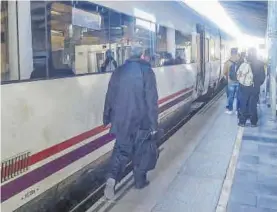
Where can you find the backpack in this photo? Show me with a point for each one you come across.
(245, 74)
(233, 71)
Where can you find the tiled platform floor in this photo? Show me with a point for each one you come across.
(255, 183)
(193, 165)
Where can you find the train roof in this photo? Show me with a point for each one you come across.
(250, 16)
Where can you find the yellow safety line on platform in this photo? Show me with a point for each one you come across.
(228, 181)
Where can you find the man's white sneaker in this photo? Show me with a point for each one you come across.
(229, 112)
(109, 189)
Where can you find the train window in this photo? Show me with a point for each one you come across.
(121, 35)
(161, 46)
(4, 44)
(143, 35)
(126, 31)
(217, 48)
(222, 52)
(207, 55)
(40, 42)
(8, 71)
(117, 43)
(183, 47)
(79, 37)
(212, 50)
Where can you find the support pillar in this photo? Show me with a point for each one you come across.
(272, 37)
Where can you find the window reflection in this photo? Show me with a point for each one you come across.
(80, 39)
(39, 39)
(4, 42)
(161, 49)
(88, 38)
(212, 50)
(207, 50)
(183, 47)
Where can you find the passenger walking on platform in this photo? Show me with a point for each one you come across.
(131, 107)
(229, 71)
(251, 76)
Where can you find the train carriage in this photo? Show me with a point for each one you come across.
(53, 88)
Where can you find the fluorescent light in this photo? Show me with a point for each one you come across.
(216, 13)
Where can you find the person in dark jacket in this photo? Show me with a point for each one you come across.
(249, 95)
(131, 107)
(109, 64)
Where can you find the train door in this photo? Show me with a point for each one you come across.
(201, 77)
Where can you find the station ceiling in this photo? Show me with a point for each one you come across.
(249, 16)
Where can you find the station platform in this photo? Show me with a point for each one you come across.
(209, 165)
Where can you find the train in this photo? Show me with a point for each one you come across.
(53, 89)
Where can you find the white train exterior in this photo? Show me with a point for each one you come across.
(52, 127)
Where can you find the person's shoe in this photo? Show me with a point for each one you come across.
(241, 125)
(254, 125)
(109, 189)
(229, 112)
(142, 185)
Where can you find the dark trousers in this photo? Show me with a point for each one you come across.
(248, 99)
(125, 150)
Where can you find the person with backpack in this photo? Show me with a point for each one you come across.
(230, 73)
(251, 76)
(131, 107)
(240, 61)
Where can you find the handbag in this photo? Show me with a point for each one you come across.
(147, 152)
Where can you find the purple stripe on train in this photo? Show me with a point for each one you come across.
(16, 186)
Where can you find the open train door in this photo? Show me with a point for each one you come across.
(201, 54)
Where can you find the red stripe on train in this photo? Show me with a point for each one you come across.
(65, 144)
(39, 156)
(161, 101)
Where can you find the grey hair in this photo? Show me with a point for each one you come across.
(136, 51)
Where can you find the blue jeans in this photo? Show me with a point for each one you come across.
(226, 90)
(232, 93)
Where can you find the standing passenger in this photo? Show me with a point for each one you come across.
(132, 108)
(250, 89)
(241, 58)
(240, 61)
(109, 64)
(229, 70)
